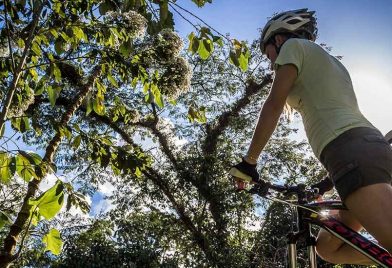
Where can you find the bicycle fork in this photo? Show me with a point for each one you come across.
(310, 242)
(292, 252)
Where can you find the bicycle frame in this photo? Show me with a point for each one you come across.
(306, 216)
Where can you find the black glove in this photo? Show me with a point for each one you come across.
(323, 186)
(245, 171)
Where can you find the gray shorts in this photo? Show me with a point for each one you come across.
(358, 157)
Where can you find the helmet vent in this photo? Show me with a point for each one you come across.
(294, 21)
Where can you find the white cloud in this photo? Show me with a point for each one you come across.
(374, 95)
(48, 182)
(106, 189)
(253, 225)
(167, 126)
(102, 206)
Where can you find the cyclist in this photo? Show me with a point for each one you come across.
(355, 154)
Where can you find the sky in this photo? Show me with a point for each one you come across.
(358, 30)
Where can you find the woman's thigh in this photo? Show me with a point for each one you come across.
(372, 206)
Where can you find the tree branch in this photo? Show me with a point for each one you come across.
(13, 65)
(18, 72)
(213, 132)
(198, 237)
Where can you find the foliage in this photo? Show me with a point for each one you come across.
(66, 61)
(96, 247)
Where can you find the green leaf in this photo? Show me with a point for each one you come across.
(59, 45)
(203, 52)
(50, 202)
(233, 58)
(53, 242)
(33, 158)
(112, 80)
(195, 45)
(198, 115)
(149, 97)
(76, 142)
(4, 219)
(5, 173)
(39, 89)
(22, 124)
(25, 122)
(157, 95)
(56, 6)
(66, 131)
(243, 61)
(239, 55)
(24, 168)
(126, 48)
(205, 32)
(21, 43)
(134, 82)
(33, 74)
(201, 3)
(64, 36)
(78, 32)
(35, 217)
(36, 49)
(98, 105)
(218, 40)
(208, 45)
(54, 33)
(101, 88)
(191, 36)
(53, 93)
(89, 105)
(56, 72)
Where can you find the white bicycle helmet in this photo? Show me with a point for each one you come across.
(299, 22)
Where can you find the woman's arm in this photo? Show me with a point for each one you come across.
(272, 109)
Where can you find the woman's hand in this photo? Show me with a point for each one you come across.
(244, 173)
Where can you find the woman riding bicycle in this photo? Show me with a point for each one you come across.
(355, 154)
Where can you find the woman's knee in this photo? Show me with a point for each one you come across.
(326, 246)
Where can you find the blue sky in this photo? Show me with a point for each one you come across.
(358, 30)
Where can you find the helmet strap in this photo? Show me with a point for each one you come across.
(277, 49)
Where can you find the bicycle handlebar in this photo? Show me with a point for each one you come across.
(302, 191)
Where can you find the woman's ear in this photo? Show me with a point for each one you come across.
(279, 40)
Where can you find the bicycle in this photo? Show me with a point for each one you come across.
(308, 214)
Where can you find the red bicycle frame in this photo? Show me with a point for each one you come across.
(307, 215)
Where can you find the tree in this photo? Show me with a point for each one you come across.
(66, 66)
